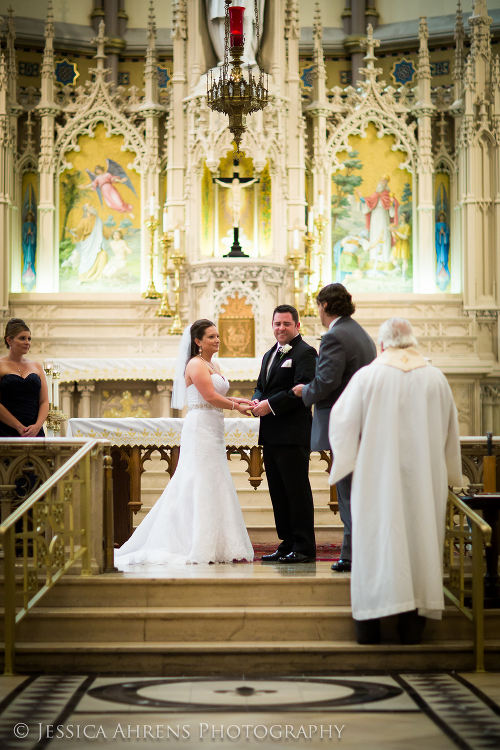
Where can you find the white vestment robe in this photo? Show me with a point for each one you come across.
(396, 427)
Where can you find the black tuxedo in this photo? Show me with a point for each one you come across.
(285, 435)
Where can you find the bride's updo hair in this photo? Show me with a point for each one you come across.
(14, 327)
(197, 332)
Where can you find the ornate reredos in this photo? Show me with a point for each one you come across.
(94, 106)
(373, 102)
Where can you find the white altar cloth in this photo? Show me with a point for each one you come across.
(131, 431)
(83, 368)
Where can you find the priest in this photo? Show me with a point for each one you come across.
(396, 427)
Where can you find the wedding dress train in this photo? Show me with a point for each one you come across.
(198, 518)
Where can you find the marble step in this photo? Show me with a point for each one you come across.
(247, 496)
(205, 586)
(227, 624)
(160, 478)
(250, 658)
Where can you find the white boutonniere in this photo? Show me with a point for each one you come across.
(282, 350)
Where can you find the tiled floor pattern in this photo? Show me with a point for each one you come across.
(369, 712)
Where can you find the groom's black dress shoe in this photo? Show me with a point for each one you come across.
(296, 557)
(274, 557)
(342, 566)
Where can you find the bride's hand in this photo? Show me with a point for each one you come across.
(243, 408)
(242, 401)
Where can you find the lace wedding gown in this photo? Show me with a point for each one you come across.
(198, 518)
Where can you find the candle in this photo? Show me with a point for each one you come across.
(310, 221)
(177, 238)
(47, 366)
(152, 204)
(55, 388)
(295, 239)
(321, 200)
(165, 221)
(236, 25)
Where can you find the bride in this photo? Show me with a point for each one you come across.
(198, 518)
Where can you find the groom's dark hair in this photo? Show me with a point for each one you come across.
(287, 309)
(338, 300)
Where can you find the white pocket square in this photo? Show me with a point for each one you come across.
(287, 363)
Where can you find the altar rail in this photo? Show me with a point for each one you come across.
(66, 518)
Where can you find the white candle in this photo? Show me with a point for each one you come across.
(165, 221)
(310, 220)
(177, 238)
(152, 204)
(321, 201)
(295, 239)
(55, 389)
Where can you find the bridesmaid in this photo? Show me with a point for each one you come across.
(24, 402)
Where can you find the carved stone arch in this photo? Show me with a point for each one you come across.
(444, 163)
(86, 124)
(27, 163)
(386, 124)
(484, 136)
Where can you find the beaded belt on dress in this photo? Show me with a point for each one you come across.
(205, 406)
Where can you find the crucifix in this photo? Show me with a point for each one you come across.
(235, 184)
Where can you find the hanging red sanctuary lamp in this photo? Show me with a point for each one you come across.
(232, 94)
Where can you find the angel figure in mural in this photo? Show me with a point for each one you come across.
(380, 208)
(103, 182)
(89, 237)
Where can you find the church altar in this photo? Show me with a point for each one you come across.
(146, 368)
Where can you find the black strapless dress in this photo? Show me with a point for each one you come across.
(20, 396)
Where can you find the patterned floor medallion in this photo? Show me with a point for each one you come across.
(246, 695)
(464, 716)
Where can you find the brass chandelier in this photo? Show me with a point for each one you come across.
(232, 94)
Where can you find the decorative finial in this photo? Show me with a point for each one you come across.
(292, 26)
(318, 23)
(100, 40)
(151, 20)
(369, 44)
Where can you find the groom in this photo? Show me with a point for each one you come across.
(285, 434)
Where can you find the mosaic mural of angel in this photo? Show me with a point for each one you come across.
(103, 182)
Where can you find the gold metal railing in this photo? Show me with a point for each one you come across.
(49, 533)
(466, 528)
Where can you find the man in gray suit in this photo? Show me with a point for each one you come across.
(344, 349)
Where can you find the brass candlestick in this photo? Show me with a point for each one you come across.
(295, 260)
(320, 224)
(151, 292)
(309, 310)
(178, 259)
(165, 310)
(55, 418)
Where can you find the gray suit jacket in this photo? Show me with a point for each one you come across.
(343, 350)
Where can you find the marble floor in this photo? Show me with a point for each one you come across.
(383, 711)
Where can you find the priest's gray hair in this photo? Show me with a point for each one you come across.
(396, 333)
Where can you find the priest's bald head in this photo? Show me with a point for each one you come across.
(396, 333)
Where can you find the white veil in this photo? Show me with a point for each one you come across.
(179, 389)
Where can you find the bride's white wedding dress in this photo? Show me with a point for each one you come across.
(198, 518)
